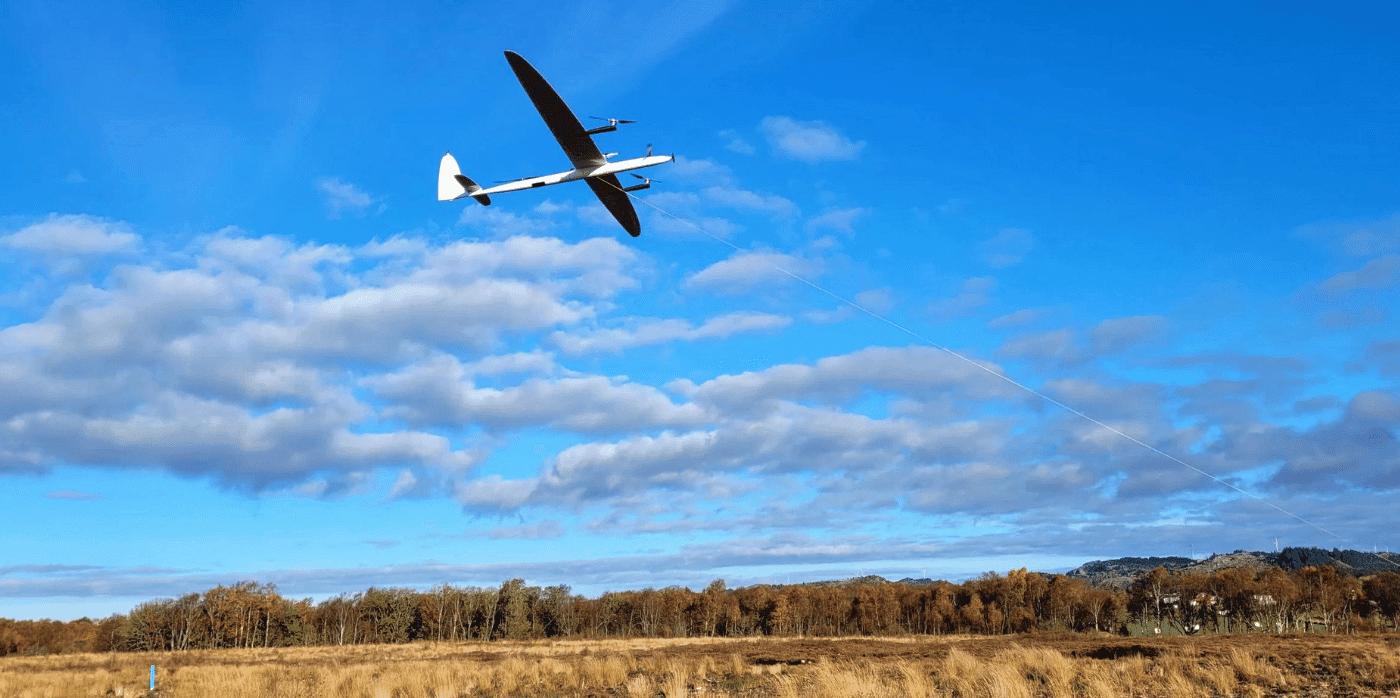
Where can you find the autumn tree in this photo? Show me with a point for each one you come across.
(1280, 597)
(1064, 597)
(1238, 593)
(1384, 589)
(1148, 594)
(339, 619)
(972, 616)
(1330, 594)
(1097, 608)
(232, 615)
(711, 604)
(943, 608)
(804, 611)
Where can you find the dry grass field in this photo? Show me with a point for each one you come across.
(1013, 666)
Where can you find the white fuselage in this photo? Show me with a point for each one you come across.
(577, 174)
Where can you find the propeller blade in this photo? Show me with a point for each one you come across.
(648, 150)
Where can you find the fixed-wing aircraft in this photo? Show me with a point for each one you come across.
(590, 164)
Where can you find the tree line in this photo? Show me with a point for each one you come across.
(248, 614)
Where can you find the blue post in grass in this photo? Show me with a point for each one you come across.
(153, 677)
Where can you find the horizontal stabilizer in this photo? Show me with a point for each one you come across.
(471, 188)
(452, 185)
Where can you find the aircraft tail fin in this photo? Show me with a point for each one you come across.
(453, 185)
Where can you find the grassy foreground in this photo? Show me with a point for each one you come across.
(1030, 665)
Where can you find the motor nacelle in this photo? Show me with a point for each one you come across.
(612, 125)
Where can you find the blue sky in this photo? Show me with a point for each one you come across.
(240, 340)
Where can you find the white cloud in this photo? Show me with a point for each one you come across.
(74, 495)
(745, 200)
(1373, 238)
(344, 197)
(684, 216)
(439, 392)
(692, 225)
(1024, 316)
(735, 142)
(911, 369)
(549, 207)
(953, 206)
(745, 271)
(1361, 239)
(1116, 334)
(1060, 346)
(876, 300)
(503, 223)
(789, 439)
(1378, 273)
(700, 170)
(1008, 247)
(650, 332)
(841, 219)
(1338, 319)
(972, 294)
(551, 528)
(808, 141)
(405, 485)
(1383, 355)
(205, 362)
(493, 493)
(596, 215)
(74, 235)
(270, 365)
(1108, 401)
(537, 362)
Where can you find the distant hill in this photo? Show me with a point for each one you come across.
(1121, 572)
(869, 579)
(1351, 562)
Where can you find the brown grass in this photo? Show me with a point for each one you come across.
(1028, 666)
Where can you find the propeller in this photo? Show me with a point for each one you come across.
(613, 122)
(646, 179)
(648, 150)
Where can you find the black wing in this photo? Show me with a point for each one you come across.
(576, 142)
(609, 191)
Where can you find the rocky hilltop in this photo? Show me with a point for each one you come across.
(1121, 572)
